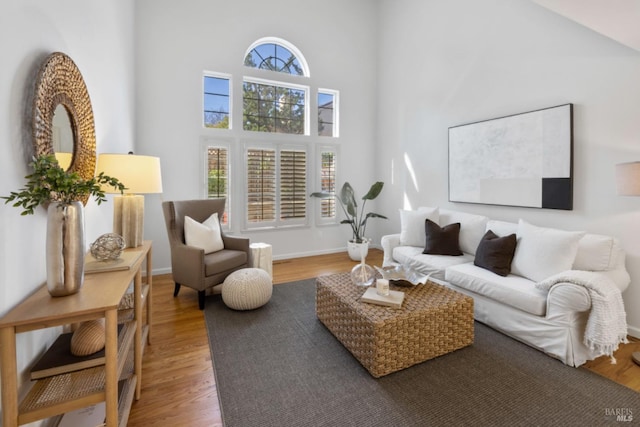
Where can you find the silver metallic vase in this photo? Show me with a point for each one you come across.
(65, 248)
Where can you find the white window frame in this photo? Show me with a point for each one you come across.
(293, 49)
(280, 83)
(277, 147)
(336, 107)
(217, 75)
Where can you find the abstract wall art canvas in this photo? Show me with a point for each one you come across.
(520, 160)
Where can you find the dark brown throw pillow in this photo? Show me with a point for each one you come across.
(495, 253)
(441, 240)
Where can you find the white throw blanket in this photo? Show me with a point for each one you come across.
(607, 323)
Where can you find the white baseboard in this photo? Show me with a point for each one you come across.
(158, 271)
(283, 256)
(633, 331)
(313, 253)
(308, 253)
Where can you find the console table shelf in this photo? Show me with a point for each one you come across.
(99, 297)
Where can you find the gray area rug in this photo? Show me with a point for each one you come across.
(278, 366)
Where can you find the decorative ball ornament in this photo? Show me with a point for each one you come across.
(107, 247)
(88, 338)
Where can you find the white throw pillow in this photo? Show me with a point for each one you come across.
(206, 236)
(502, 228)
(412, 225)
(595, 253)
(542, 252)
(472, 228)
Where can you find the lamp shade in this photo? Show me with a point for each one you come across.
(140, 174)
(64, 159)
(628, 179)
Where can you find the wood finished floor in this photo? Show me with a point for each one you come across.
(178, 385)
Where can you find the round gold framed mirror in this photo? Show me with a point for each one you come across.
(61, 89)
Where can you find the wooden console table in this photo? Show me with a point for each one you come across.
(99, 297)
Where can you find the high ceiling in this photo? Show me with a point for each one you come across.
(616, 19)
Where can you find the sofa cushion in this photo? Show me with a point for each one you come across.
(542, 252)
(595, 253)
(412, 257)
(205, 236)
(495, 253)
(502, 228)
(441, 240)
(518, 292)
(472, 228)
(412, 225)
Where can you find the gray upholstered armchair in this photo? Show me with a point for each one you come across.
(190, 265)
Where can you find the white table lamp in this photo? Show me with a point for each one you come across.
(141, 175)
(628, 184)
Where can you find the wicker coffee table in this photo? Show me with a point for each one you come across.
(434, 320)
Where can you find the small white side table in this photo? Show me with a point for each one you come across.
(261, 257)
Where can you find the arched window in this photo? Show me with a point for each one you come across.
(276, 98)
(270, 53)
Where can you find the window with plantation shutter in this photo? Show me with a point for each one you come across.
(261, 185)
(218, 176)
(276, 186)
(328, 183)
(293, 184)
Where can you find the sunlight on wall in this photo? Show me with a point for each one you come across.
(407, 162)
(406, 204)
(393, 168)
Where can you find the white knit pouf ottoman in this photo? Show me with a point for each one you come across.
(246, 289)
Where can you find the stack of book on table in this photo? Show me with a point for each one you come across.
(394, 299)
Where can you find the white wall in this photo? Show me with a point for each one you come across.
(426, 66)
(177, 41)
(414, 67)
(452, 62)
(98, 37)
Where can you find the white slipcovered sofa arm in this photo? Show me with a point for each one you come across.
(566, 296)
(389, 242)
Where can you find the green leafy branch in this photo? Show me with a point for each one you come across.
(50, 183)
(356, 219)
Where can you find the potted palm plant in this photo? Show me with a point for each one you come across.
(356, 218)
(62, 193)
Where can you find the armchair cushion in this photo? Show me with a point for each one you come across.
(205, 236)
(224, 260)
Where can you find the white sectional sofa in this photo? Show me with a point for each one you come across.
(552, 319)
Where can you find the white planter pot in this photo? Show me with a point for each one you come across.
(357, 250)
